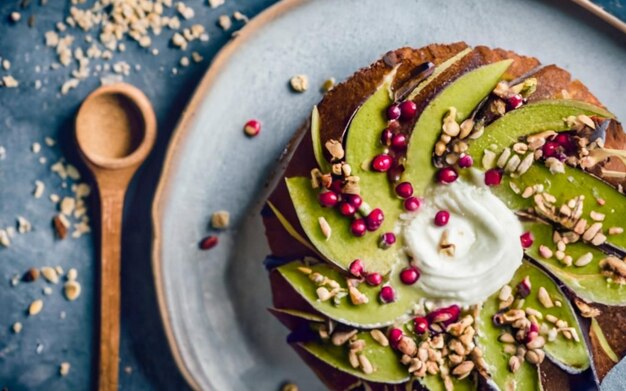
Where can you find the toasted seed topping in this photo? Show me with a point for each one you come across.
(379, 337)
(220, 219)
(35, 307)
(17, 327)
(71, 290)
(64, 368)
(335, 149)
(616, 230)
(545, 252)
(584, 259)
(544, 298)
(50, 274)
(325, 227)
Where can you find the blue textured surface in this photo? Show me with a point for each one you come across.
(28, 115)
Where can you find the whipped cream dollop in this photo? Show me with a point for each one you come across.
(485, 236)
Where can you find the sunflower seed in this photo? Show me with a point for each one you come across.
(584, 259)
(544, 298)
(35, 307)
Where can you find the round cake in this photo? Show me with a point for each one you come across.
(452, 218)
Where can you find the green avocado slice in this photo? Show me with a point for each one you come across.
(566, 353)
(386, 363)
(371, 315)
(586, 282)
(465, 94)
(342, 247)
(529, 119)
(363, 143)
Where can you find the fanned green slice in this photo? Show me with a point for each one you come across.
(386, 363)
(371, 315)
(318, 148)
(342, 247)
(586, 282)
(529, 119)
(438, 71)
(567, 353)
(464, 94)
(596, 330)
(314, 318)
(435, 383)
(571, 183)
(363, 143)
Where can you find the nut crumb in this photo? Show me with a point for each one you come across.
(64, 368)
(71, 289)
(17, 327)
(220, 219)
(299, 83)
(224, 22)
(35, 307)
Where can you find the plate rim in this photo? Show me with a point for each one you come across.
(172, 156)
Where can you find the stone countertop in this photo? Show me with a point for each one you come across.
(66, 331)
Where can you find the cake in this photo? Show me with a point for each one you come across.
(450, 217)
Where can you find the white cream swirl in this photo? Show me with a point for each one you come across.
(486, 236)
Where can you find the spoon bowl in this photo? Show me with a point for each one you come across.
(115, 132)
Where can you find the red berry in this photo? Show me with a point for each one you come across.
(386, 137)
(421, 325)
(354, 200)
(328, 199)
(382, 163)
(387, 295)
(408, 109)
(465, 161)
(441, 218)
(527, 239)
(445, 315)
(515, 101)
(356, 268)
(404, 189)
(373, 279)
(393, 112)
(387, 240)
(447, 175)
(550, 149)
(399, 142)
(208, 243)
(493, 177)
(358, 227)
(409, 275)
(375, 219)
(395, 335)
(395, 173)
(336, 186)
(412, 204)
(252, 128)
(565, 141)
(347, 209)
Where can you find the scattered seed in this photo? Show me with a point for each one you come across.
(325, 227)
(50, 274)
(220, 219)
(31, 275)
(71, 290)
(379, 337)
(35, 307)
(339, 338)
(505, 293)
(328, 85)
(597, 216)
(366, 365)
(545, 252)
(584, 259)
(64, 368)
(616, 230)
(544, 298)
(17, 327)
(224, 22)
(299, 83)
(514, 364)
(72, 274)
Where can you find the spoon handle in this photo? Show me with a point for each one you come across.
(112, 203)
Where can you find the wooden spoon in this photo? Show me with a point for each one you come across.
(115, 131)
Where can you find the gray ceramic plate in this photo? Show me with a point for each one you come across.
(214, 303)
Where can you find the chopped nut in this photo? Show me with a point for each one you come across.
(341, 337)
(450, 126)
(35, 307)
(220, 219)
(325, 227)
(31, 275)
(586, 310)
(544, 298)
(407, 346)
(535, 357)
(379, 337)
(584, 259)
(323, 294)
(489, 159)
(463, 370)
(61, 225)
(366, 365)
(64, 368)
(50, 274)
(299, 83)
(17, 327)
(514, 364)
(224, 22)
(71, 290)
(335, 149)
